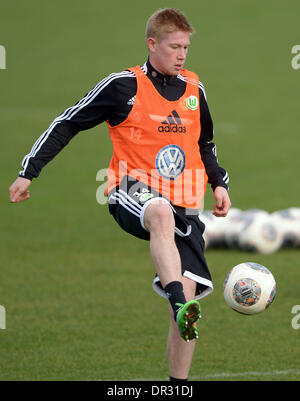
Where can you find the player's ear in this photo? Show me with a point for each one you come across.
(151, 43)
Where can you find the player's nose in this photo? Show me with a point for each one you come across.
(181, 54)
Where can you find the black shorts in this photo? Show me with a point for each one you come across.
(128, 202)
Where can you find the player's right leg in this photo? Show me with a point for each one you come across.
(180, 352)
(159, 221)
(154, 220)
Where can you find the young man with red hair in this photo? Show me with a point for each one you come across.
(161, 130)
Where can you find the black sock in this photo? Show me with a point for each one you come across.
(175, 294)
(174, 379)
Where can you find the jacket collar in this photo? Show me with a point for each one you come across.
(153, 73)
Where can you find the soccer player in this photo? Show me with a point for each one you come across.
(163, 157)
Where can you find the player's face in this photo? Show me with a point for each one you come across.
(168, 55)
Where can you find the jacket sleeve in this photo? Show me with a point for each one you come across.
(94, 108)
(217, 176)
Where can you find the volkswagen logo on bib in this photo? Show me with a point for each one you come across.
(170, 162)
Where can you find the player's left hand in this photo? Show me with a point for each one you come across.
(223, 202)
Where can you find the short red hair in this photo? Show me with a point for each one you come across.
(167, 20)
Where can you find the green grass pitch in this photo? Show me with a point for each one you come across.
(76, 289)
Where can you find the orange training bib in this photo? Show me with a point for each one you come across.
(158, 143)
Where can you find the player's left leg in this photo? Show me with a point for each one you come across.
(179, 352)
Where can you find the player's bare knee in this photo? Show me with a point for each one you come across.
(159, 217)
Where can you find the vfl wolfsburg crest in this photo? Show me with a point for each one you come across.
(192, 102)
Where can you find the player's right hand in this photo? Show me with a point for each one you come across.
(18, 191)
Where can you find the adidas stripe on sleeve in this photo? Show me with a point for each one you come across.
(94, 108)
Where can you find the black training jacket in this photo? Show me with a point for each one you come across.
(111, 100)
